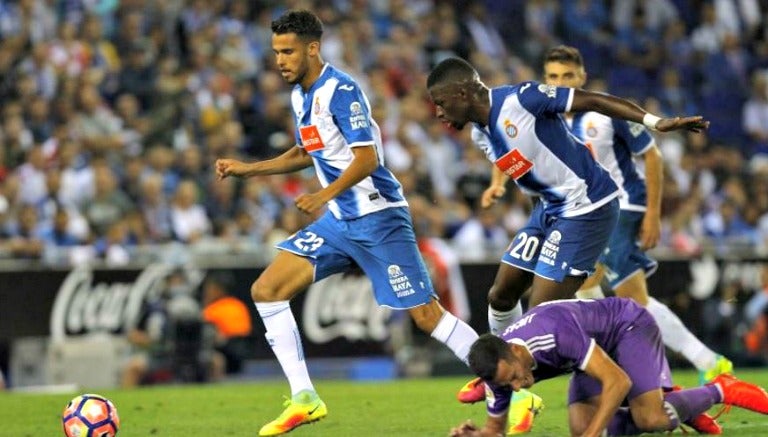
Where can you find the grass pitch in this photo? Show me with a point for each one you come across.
(397, 408)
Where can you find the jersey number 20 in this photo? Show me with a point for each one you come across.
(524, 246)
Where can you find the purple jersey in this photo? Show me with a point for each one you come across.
(561, 335)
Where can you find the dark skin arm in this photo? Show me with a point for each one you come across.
(616, 107)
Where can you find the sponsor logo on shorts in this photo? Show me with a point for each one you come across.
(551, 248)
(400, 283)
(555, 237)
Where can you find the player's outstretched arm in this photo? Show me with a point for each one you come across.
(616, 107)
(494, 427)
(294, 159)
(616, 385)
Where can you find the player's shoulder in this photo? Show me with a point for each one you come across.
(341, 80)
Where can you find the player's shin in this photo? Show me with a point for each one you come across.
(455, 334)
(283, 337)
(499, 320)
(691, 402)
(678, 338)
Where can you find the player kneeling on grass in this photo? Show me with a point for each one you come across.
(615, 351)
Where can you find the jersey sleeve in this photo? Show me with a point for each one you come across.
(351, 114)
(634, 135)
(497, 399)
(539, 99)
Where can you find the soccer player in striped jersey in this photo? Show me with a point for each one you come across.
(521, 130)
(367, 222)
(613, 348)
(616, 144)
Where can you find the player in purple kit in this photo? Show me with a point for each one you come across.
(521, 130)
(367, 221)
(613, 348)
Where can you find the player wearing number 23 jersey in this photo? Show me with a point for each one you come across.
(370, 222)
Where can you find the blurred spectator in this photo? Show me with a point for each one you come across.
(755, 114)
(230, 316)
(22, 237)
(480, 236)
(109, 204)
(163, 333)
(188, 219)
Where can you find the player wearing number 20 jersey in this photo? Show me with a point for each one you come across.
(528, 140)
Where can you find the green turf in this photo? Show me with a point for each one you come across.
(400, 408)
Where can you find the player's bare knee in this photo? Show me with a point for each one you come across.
(262, 291)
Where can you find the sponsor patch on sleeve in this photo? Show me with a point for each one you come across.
(514, 164)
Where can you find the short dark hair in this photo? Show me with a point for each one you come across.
(303, 23)
(564, 54)
(451, 69)
(484, 356)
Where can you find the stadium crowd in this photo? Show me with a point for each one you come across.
(114, 111)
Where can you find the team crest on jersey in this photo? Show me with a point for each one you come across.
(316, 109)
(510, 129)
(514, 164)
(591, 130)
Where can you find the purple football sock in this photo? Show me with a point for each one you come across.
(691, 402)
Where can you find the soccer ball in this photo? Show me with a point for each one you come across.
(90, 415)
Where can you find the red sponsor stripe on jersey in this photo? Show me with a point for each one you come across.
(514, 164)
(310, 138)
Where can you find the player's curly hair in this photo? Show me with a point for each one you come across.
(484, 356)
(303, 23)
(450, 70)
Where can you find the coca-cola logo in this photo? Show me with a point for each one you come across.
(83, 307)
(344, 306)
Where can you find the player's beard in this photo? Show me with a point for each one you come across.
(301, 72)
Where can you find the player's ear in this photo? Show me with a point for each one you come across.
(313, 48)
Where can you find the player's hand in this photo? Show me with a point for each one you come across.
(491, 195)
(693, 124)
(230, 167)
(466, 429)
(650, 231)
(309, 203)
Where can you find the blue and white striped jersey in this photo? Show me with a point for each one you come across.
(615, 144)
(528, 140)
(332, 118)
